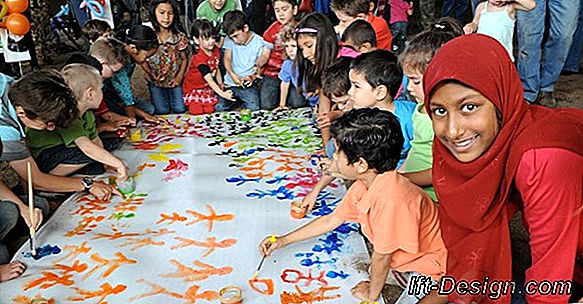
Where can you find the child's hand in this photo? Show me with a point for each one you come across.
(310, 200)
(11, 271)
(122, 173)
(470, 28)
(325, 120)
(103, 191)
(228, 94)
(151, 118)
(177, 81)
(361, 291)
(37, 214)
(238, 80)
(280, 108)
(131, 122)
(266, 247)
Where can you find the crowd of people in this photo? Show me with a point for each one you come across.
(447, 134)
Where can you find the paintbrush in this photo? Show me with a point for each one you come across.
(272, 240)
(31, 209)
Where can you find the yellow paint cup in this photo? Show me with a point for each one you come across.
(135, 134)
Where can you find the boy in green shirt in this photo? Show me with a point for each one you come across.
(76, 149)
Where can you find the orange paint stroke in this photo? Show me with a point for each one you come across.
(192, 275)
(113, 264)
(294, 276)
(49, 280)
(211, 218)
(76, 267)
(175, 217)
(143, 166)
(259, 175)
(310, 297)
(269, 289)
(87, 224)
(260, 168)
(260, 161)
(190, 296)
(90, 204)
(115, 235)
(211, 244)
(230, 144)
(139, 243)
(27, 300)
(74, 251)
(104, 291)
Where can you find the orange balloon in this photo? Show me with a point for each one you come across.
(16, 6)
(17, 24)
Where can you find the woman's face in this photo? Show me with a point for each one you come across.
(464, 121)
(307, 45)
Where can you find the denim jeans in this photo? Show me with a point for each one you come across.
(270, 95)
(10, 217)
(247, 97)
(167, 100)
(456, 9)
(539, 77)
(399, 32)
(574, 56)
(412, 283)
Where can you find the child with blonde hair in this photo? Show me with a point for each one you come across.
(77, 148)
(288, 74)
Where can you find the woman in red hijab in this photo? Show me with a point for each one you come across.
(494, 154)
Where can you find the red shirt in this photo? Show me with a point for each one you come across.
(275, 61)
(194, 78)
(102, 109)
(381, 29)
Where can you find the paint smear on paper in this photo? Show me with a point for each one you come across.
(310, 297)
(268, 283)
(44, 251)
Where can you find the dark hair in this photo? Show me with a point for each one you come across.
(143, 37)
(360, 32)
(335, 81)
(351, 7)
(234, 21)
(45, 95)
(202, 28)
(316, 25)
(176, 26)
(379, 67)
(422, 47)
(93, 29)
(292, 2)
(371, 134)
(85, 59)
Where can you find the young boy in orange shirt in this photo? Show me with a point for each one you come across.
(349, 10)
(398, 218)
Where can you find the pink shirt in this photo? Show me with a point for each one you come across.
(399, 11)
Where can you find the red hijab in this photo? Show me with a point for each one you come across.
(474, 197)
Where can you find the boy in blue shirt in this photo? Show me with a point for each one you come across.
(245, 54)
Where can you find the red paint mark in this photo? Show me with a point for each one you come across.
(146, 146)
(104, 291)
(176, 165)
(211, 218)
(269, 289)
(175, 217)
(316, 295)
(191, 275)
(294, 276)
(211, 244)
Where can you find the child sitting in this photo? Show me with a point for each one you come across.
(375, 78)
(245, 54)
(288, 92)
(270, 85)
(397, 217)
(414, 60)
(349, 10)
(359, 37)
(496, 18)
(203, 81)
(76, 148)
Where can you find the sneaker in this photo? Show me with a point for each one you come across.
(547, 99)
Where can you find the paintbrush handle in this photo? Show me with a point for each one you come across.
(30, 198)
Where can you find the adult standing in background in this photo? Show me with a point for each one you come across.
(539, 77)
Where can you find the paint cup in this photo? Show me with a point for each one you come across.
(127, 187)
(231, 295)
(135, 134)
(245, 115)
(297, 210)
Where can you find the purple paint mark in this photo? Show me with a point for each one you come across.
(44, 251)
(333, 274)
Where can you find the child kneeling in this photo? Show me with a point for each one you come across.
(398, 218)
